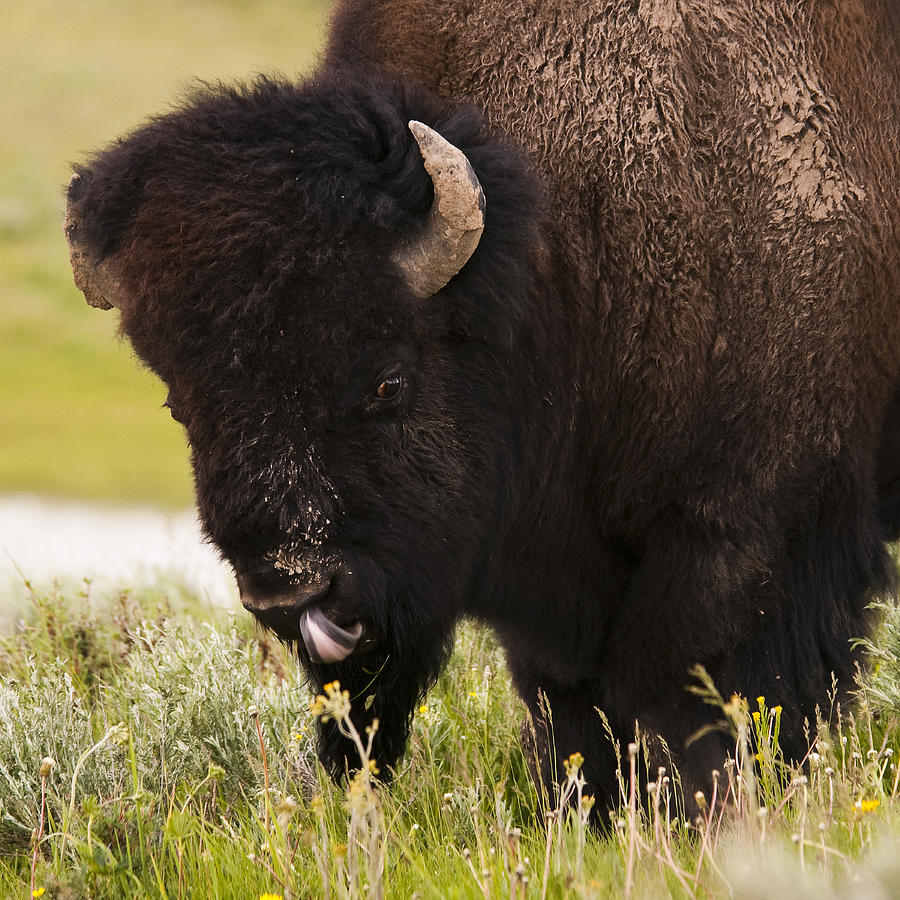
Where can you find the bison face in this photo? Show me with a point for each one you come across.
(341, 356)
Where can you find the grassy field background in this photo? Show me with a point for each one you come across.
(78, 417)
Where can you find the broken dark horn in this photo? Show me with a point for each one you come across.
(97, 281)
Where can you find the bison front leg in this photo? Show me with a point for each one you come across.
(385, 687)
(769, 613)
(562, 722)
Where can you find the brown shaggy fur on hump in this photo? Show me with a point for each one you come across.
(706, 168)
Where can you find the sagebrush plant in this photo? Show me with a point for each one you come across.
(148, 751)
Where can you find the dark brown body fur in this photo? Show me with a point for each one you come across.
(723, 178)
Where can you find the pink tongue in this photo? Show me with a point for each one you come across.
(325, 641)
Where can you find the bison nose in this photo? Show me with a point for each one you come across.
(313, 613)
(277, 601)
(265, 596)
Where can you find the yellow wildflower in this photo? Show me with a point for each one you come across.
(866, 806)
(38, 893)
(423, 709)
(573, 764)
(270, 897)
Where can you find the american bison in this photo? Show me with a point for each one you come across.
(580, 319)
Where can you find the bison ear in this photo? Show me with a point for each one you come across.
(455, 222)
(97, 280)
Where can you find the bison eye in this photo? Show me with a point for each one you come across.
(390, 388)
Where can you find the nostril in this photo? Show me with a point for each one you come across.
(323, 612)
(265, 591)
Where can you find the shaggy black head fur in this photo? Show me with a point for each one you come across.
(255, 230)
(651, 423)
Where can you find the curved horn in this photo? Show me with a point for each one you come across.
(456, 219)
(97, 281)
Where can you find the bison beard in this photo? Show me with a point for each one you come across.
(647, 419)
(387, 682)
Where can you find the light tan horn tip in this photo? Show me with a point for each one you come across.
(455, 222)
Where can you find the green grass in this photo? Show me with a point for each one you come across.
(209, 787)
(78, 418)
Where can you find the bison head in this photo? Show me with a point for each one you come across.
(298, 263)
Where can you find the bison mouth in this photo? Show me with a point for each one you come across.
(315, 613)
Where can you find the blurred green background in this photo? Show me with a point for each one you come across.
(79, 418)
